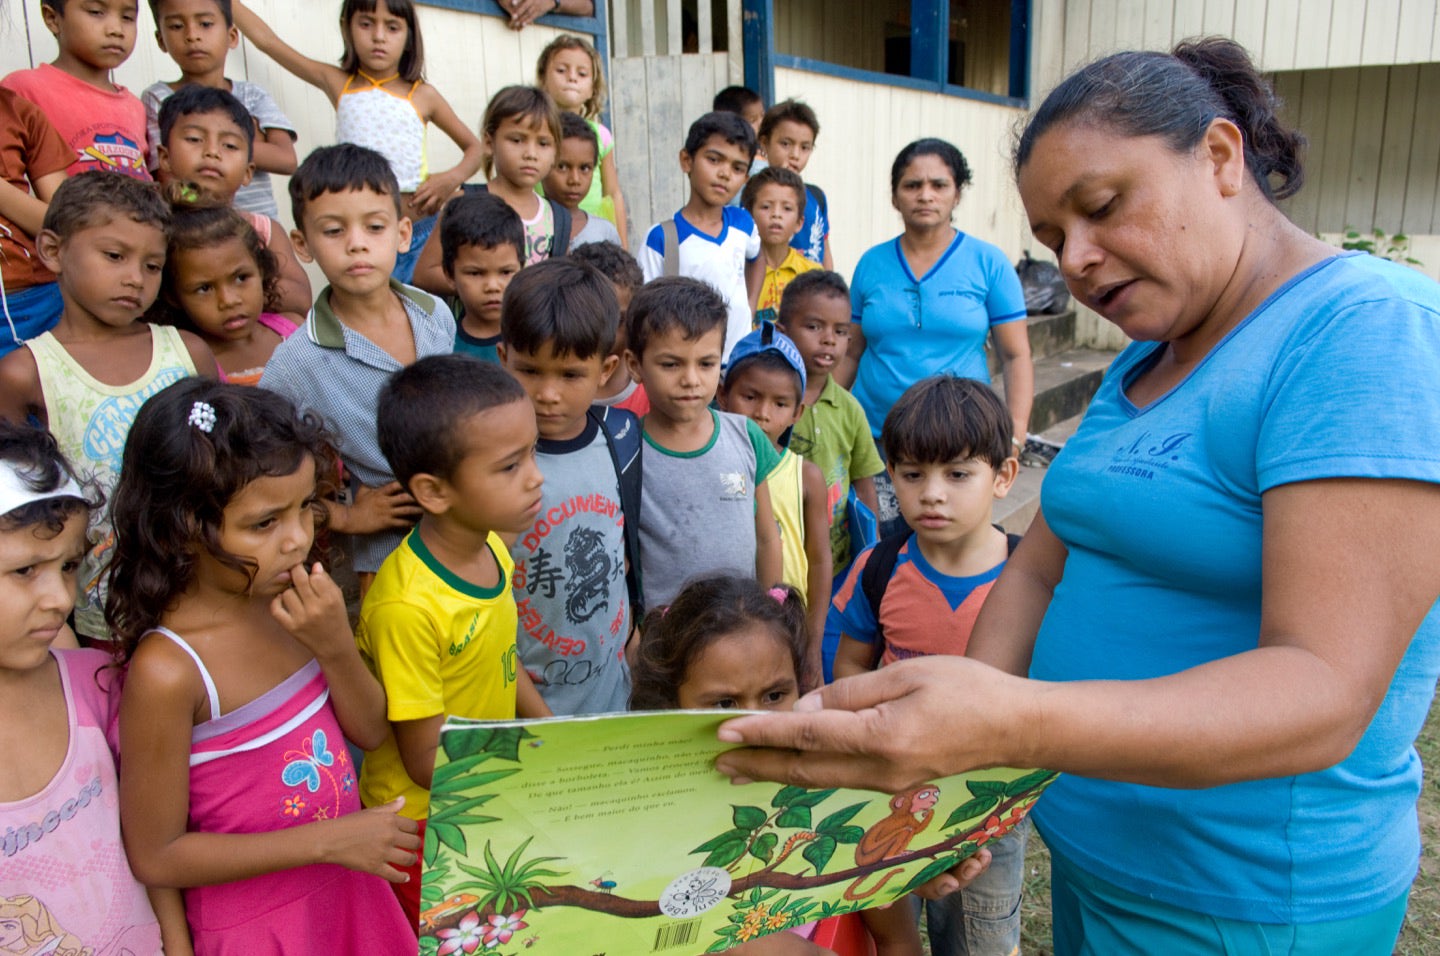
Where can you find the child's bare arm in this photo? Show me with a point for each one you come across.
(439, 187)
(27, 210)
(275, 151)
(294, 284)
(312, 609)
(769, 560)
(528, 702)
(826, 259)
(206, 365)
(754, 279)
(417, 741)
(329, 78)
(20, 387)
(853, 658)
(157, 711)
(429, 271)
(817, 555)
(169, 907)
(610, 186)
(779, 944)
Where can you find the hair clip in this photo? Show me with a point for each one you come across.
(779, 594)
(202, 416)
(189, 193)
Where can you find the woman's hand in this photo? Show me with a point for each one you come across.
(378, 841)
(888, 730)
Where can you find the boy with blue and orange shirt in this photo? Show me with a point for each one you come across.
(947, 445)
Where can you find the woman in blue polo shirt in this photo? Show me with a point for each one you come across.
(1222, 625)
(926, 301)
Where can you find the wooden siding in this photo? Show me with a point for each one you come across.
(654, 99)
(864, 125)
(1282, 34)
(1374, 155)
(468, 56)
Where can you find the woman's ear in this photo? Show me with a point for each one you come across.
(1224, 147)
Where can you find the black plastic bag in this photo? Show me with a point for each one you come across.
(1045, 292)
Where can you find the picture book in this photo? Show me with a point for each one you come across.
(615, 836)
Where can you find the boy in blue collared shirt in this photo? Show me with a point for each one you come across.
(364, 327)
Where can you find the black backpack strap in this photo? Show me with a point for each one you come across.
(622, 437)
(560, 238)
(1013, 542)
(875, 577)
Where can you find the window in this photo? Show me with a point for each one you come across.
(982, 50)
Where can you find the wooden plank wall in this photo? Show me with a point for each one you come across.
(467, 56)
(1282, 34)
(654, 101)
(1374, 156)
(657, 92)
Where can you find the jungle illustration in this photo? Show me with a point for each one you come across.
(520, 860)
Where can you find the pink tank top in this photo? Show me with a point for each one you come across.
(280, 761)
(64, 879)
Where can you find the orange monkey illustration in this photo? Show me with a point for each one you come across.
(910, 813)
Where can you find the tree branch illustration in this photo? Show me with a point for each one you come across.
(616, 905)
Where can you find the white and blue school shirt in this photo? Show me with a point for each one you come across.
(932, 325)
(1159, 507)
(719, 260)
(330, 369)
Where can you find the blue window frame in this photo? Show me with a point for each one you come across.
(929, 66)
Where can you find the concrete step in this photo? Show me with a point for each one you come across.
(1063, 385)
(1016, 510)
(1049, 335)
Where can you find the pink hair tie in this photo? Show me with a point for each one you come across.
(779, 594)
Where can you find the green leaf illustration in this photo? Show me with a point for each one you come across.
(748, 818)
(1033, 779)
(726, 853)
(849, 835)
(811, 798)
(448, 834)
(987, 788)
(840, 817)
(972, 809)
(457, 767)
(934, 869)
(797, 816)
(819, 852)
(787, 796)
(764, 848)
(729, 836)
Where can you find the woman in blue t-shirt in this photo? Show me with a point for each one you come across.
(1226, 607)
(926, 302)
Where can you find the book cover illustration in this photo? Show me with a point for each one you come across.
(615, 836)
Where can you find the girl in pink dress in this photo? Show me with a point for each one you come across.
(243, 685)
(65, 885)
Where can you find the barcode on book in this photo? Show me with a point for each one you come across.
(677, 934)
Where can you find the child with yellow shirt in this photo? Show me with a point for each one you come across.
(438, 623)
(775, 199)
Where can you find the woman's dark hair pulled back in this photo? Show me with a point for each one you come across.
(1176, 96)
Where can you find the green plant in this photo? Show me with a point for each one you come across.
(1395, 247)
